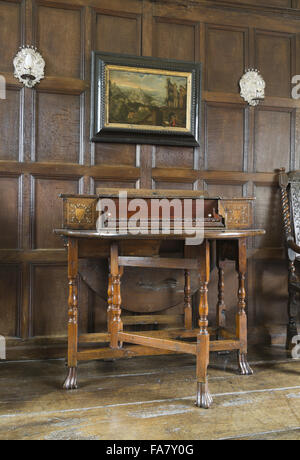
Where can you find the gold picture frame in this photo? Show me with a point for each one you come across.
(145, 100)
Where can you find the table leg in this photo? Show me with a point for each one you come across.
(109, 300)
(116, 324)
(221, 307)
(187, 301)
(204, 398)
(241, 318)
(71, 380)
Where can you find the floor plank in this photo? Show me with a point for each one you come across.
(152, 398)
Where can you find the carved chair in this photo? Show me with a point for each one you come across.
(290, 198)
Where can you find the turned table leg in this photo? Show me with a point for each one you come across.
(221, 307)
(71, 380)
(204, 398)
(188, 317)
(116, 272)
(241, 318)
(109, 300)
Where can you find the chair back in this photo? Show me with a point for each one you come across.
(290, 199)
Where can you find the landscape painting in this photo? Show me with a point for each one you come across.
(145, 100)
(148, 99)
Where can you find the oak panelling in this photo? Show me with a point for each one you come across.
(10, 147)
(275, 57)
(47, 209)
(280, 3)
(173, 157)
(115, 154)
(97, 314)
(49, 310)
(10, 26)
(10, 215)
(57, 128)
(232, 34)
(175, 39)
(117, 32)
(224, 137)
(226, 57)
(173, 185)
(274, 139)
(113, 184)
(63, 53)
(224, 190)
(268, 216)
(10, 286)
(270, 293)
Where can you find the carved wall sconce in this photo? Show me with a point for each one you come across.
(252, 87)
(29, 66)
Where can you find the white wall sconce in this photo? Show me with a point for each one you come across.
(29, 66)
(252, 87)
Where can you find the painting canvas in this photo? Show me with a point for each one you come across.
(148, 99)
(145, 100)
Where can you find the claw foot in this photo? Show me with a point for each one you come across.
(71, 380)
(204, 399)
(244, 367)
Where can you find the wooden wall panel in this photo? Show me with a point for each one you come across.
(10, 126)
(48, 313)
(268, 216)
(63, 51)
(275, 58)
(165, 185)
(174, 157)
(175, 39)
(47, 210)
(271, 289)
(58, 128)
(113, 184)
(10, 26)
(10, 286)
(224, 137)
(45, 148)
(273, 139)
(10, 209)
(115, 154)
(224, 190)
(118, 32)
(280, 3)
(49, 306)
(226, 57)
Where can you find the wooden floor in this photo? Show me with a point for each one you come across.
(151, 398)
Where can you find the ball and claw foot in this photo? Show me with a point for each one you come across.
(204, 399)
(71, 380)
(244, 366)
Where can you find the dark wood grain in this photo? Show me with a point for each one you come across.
(45, 144)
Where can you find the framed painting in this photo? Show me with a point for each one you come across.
(145, 100)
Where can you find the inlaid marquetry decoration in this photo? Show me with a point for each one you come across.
(80, 213)
(238, 213)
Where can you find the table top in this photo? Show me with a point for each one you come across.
(214, 234)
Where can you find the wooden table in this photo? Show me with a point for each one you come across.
(144, 251)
